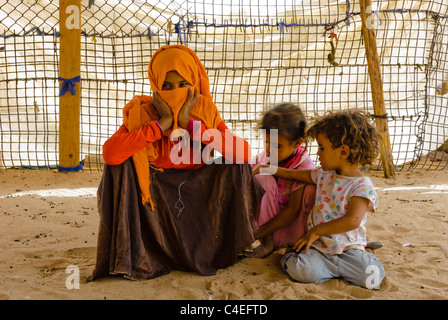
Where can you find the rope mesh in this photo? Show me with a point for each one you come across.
(257, 54)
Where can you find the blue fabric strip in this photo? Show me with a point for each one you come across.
(69, 84)
(71, 169)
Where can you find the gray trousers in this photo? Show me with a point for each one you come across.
(358, 267)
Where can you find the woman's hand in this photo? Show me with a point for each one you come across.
(190, 103)
(165, 113)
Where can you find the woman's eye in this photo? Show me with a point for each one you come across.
(184, 84)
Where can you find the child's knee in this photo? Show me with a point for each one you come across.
(301, 268)
(373, 275)
(366, 271)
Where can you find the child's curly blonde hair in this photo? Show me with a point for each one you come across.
(351, 127)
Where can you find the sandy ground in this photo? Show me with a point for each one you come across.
(42, 234)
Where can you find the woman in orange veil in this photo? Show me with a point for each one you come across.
(164, 205)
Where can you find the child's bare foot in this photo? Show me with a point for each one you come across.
(372, 246)
(254, 245)
(263, 250)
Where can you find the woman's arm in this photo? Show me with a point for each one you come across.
(232, 147)
(123, 144)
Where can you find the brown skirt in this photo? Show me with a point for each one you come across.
(202, 220)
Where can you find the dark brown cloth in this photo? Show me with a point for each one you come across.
(201, 221)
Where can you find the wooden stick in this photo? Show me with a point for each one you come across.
(376, 84)
(69, 67)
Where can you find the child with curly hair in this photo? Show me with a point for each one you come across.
(334, 245)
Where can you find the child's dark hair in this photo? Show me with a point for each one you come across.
(287, 118)
(351, 127)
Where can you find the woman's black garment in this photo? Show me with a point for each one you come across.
(202, 220)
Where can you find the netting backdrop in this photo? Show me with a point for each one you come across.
(257, 54)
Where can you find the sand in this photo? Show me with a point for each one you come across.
(42, 235)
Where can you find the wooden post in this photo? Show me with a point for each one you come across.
(376, 84)
(69, 68)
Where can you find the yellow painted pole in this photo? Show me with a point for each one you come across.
(376, 85)
(69, 70)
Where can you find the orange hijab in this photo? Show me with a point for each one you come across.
(139, 111)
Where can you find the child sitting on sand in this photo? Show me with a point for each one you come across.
(334, 245)
(286, 203)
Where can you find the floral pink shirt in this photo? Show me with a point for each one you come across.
(333, 193)
(285, 187)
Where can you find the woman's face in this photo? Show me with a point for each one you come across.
(173, 80)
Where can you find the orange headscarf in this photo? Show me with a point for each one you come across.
(139, 111)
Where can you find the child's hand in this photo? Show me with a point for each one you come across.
(306, 240)
(190, 103)
(264, 169)
(256, 168)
